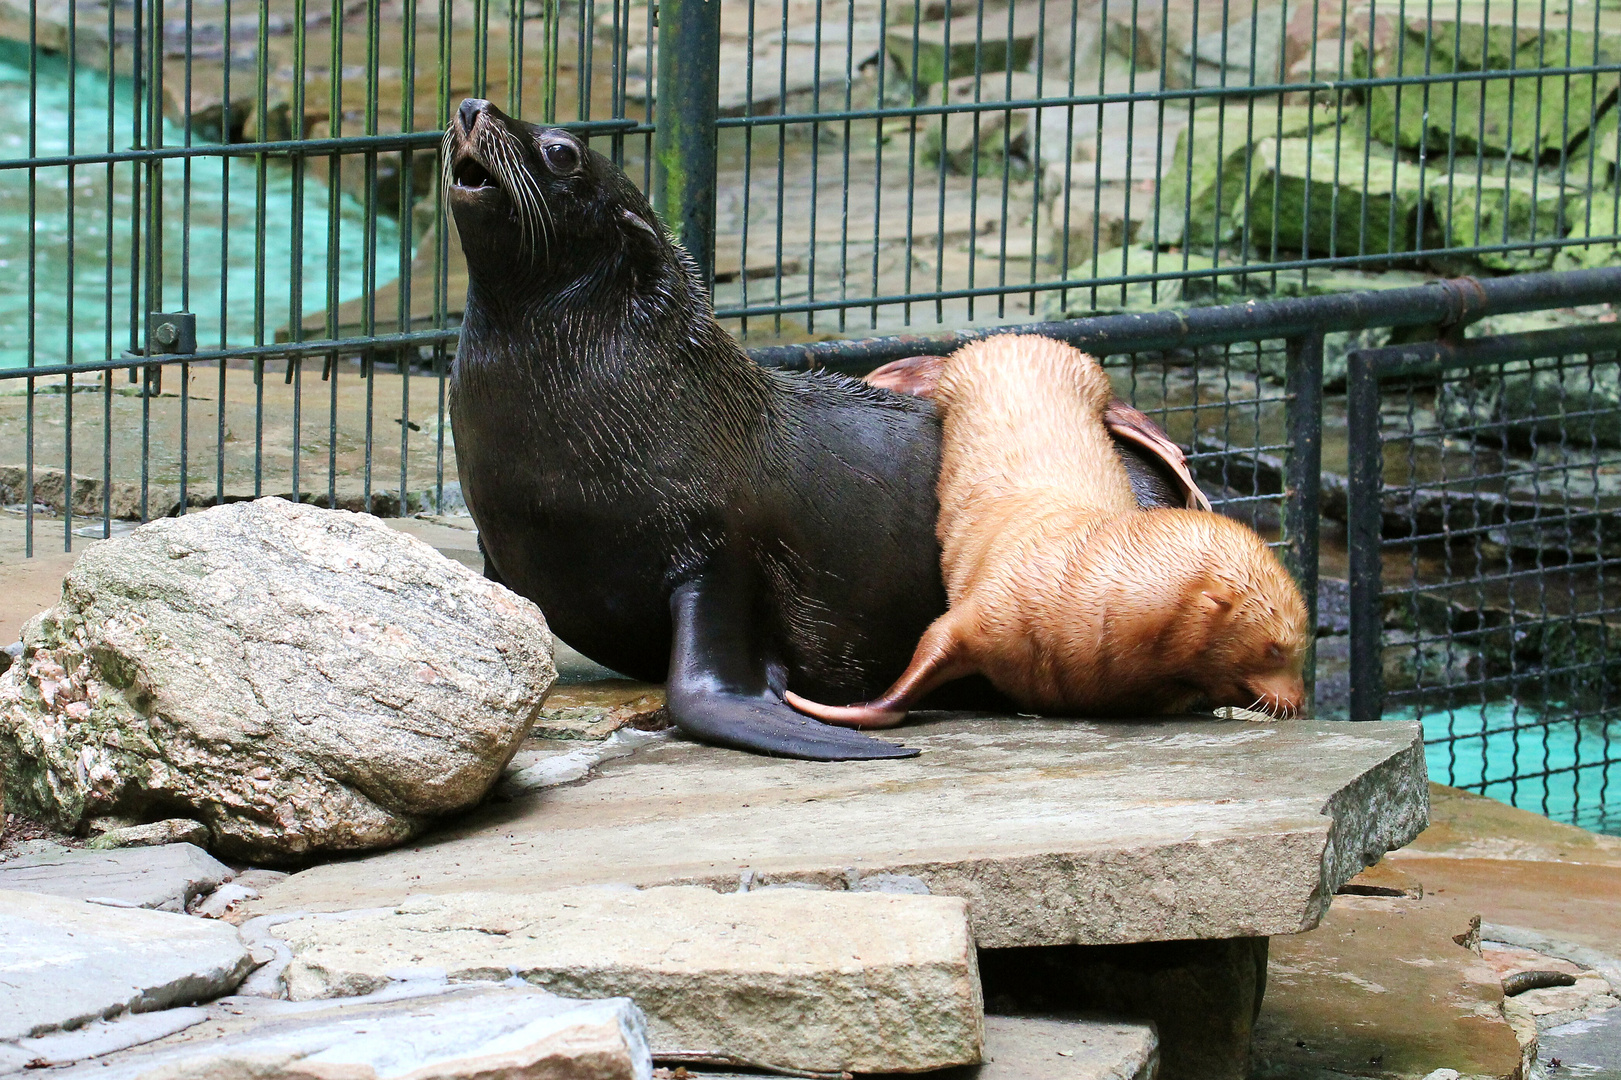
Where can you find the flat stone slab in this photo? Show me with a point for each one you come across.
(1017, 1048)
(780, 978)
(1054, 831)
(163, 878)
(64, 963)
(438, 1035)
(1384, 979)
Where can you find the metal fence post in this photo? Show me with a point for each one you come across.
(1303, 383)
(684, 114)
(1365, 527)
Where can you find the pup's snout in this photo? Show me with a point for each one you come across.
(1283, 696)
(470, 111)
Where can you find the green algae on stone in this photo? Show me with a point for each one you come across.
(989, 142)
(1201, 202)
(1597, 217)
(1524, 115)
(1468, 211)
(1314, 196)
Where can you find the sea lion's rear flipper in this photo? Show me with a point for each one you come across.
(938, 659)
(915, 375)
(1131, 425)
(717, 690)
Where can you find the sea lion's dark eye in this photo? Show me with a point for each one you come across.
(561, 157)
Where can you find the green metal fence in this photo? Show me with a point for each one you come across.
(246, 193)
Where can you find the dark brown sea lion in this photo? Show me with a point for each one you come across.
(677, 511)
(1064, 593)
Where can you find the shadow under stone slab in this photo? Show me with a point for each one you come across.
(1203, 996)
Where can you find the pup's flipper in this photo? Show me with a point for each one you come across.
(915, 375)
(1131, 425)
(939, 658)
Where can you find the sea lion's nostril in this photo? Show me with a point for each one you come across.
(468, 113)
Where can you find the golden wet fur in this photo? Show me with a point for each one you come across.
(1064, 593)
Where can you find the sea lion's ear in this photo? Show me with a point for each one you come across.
(636, 221)
(915, 375)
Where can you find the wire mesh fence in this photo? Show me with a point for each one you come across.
(233, 276)
(1494, 478)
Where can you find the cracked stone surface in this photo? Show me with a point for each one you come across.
(64, 962)
(421, 1033)
(1054, 832)
(781, 978)
(298, 680)
(164, 878)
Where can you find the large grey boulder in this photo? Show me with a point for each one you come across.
(64, 963)
(299, 680)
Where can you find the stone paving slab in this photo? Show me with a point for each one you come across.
(1054, 831)
(65, 962)
(465, 1034)
(1017, 1048)
(779, 978)
(1383, 989)
(163, 878)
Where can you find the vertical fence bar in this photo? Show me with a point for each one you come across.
(1303, 385)
(1365, 520)
(684, 113)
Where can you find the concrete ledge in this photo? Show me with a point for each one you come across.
(1054, 832)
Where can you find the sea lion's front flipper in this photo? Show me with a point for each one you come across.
(1131, 425)
(717, 690)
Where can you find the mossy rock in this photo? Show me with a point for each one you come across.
(1321, 197)
(1594, 162)
(1598, 216)
(1539, 401)
(1202, 204)
(1527, 116)
(1468, 211)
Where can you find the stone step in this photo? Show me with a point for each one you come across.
(780, 978)
(1021, 1048)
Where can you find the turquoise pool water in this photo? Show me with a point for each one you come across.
(1485, 746)
(223, 254)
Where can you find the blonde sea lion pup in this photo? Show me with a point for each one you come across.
(919, 376)
(1064, 593)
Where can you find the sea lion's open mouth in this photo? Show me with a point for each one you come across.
(467, 174)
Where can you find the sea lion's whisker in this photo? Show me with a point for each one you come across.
(525, 190)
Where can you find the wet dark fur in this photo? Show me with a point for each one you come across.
(672, 507)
